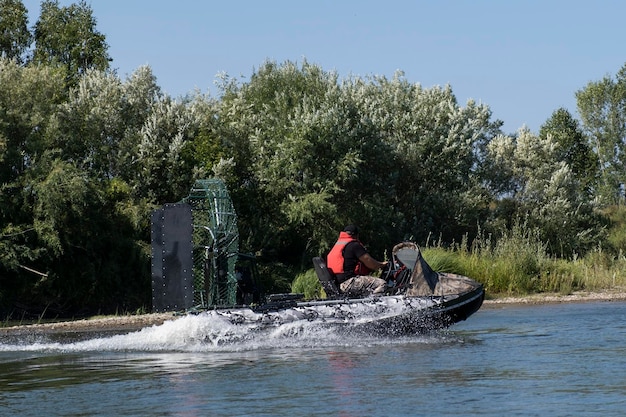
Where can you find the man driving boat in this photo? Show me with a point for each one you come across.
(352, 264)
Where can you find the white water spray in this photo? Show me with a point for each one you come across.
(205, 332)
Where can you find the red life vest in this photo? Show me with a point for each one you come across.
(335, 259)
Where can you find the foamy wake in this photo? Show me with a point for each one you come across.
(207, 331)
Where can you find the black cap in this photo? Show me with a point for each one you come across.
(351, 229)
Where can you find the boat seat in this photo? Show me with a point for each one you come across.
(327, 278)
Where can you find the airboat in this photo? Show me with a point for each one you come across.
(197, 269)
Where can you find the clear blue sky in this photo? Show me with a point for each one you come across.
(524, 59)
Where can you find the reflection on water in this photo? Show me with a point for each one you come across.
(537, 360)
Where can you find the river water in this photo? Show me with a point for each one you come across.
(541, 360)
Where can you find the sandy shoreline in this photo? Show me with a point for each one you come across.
(120, 324)
(576, 297)
(113, 324)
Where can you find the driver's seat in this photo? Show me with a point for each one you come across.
(327, 278)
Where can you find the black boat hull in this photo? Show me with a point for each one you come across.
(420, 321)
(390, 315)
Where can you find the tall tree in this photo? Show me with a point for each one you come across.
(602, 107)
(68, 36)
(15, 37)
(574, 149)
(89, 125)
(28, 98)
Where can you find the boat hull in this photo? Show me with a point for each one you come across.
(390, 315)
(446, 312)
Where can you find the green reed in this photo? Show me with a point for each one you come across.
(518, 264)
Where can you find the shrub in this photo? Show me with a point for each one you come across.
(308, 284)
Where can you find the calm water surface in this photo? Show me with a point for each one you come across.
(551, 360)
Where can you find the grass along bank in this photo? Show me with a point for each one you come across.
(517, 265)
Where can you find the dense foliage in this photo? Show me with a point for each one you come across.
(86, 156)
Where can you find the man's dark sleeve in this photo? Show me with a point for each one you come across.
(357, 249)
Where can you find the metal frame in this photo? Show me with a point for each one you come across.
(215, 244)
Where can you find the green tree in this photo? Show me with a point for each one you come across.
(436, 147)
(28, 98)
(130, 145)
(15, 38)
(208, 148)
(310, 154)
(80, 172)
(155, 156)
(91, 256)
(163, 170)
(68, 36)
(544, 194)
(89, 125)
(273, 129)
(602, 108)
(574, 149)
(304, 160)
(129, 131)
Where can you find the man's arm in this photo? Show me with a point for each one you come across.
(370, 262)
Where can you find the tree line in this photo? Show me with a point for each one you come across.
(85, 156)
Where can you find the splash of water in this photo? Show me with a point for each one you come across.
(210, 332)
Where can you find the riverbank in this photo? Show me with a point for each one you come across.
(618, 294)
(109, 324)
(128, 323)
